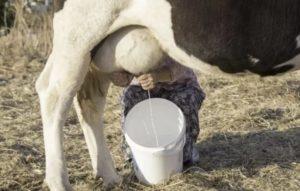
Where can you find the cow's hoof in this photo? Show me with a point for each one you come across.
(110, 182)
(57, 185)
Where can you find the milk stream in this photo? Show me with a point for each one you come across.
(151, 119)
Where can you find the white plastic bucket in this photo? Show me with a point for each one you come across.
(156, 139)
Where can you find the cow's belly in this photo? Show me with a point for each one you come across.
(132, 49)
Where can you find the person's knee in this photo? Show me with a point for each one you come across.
(134, 94)
(196, 98)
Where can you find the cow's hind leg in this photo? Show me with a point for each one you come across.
(75, 34)
(89, 104)
(56, 87)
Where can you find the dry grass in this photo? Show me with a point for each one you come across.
(250, 128)
(31, 35)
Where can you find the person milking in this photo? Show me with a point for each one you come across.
(135, 49)
(170, 81)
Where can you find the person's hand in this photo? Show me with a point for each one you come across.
(147, 81)
(121, 79)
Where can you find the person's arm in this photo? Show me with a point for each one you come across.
(163, 75)
(171, 72)
(121, 79)
(149, 80)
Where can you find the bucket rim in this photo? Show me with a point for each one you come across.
(160, 148)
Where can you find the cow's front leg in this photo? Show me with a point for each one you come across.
(89, 104)
(56, 87)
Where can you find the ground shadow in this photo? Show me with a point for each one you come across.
(250, 151)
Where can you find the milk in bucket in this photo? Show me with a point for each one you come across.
(156, 140)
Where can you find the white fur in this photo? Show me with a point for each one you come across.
(78, 28)
(253, 60)
(294, 61)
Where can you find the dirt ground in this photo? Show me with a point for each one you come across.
(250, 134)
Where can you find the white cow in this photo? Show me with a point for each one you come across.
(226, 35)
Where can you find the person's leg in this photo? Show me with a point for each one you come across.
(131, 96)
(189, 100)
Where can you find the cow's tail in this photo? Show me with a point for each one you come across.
(192, 62)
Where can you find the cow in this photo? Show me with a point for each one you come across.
(211, 36)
